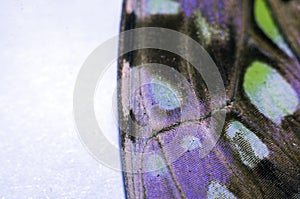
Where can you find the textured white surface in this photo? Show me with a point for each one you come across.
(43, 45)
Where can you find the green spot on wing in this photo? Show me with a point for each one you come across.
(205, 30)
(256, 76)
(269, 92)
(265, 21)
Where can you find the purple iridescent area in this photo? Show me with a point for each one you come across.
(166, 96)
(190, 173)
(220, 17)
(177, 154)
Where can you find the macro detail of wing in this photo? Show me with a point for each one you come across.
(287, 14)
(258, 153)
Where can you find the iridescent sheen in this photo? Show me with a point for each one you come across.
(168, 118)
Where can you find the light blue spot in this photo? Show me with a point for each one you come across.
(162, 7)
(165, 96)
(273, 96)
(190, 143)
(218, 191)
(250, 147)
(156, 165)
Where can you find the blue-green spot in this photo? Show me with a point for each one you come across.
(165, 96)
(269, 92)
(249, 146)
(163, 7)
(216, 191)
(265, 21)
(156, 164)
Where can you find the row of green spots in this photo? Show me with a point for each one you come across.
(269, 91)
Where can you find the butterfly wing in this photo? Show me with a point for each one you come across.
(287, 14)
(234, 168)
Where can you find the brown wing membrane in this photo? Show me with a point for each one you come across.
(228, 31)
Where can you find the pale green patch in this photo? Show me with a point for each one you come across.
(269, 92)
(206, 31)
(156, 165)
(265, 21)
(251, 149)
(162, 7)
(256, 76)
(204, 28)
(190, 143)
(217, 191)
(164, 95)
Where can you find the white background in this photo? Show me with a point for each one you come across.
(43, 45)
